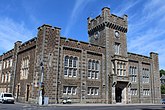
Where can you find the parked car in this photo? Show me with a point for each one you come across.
(163, 101)
(6, 98)
(67, 100)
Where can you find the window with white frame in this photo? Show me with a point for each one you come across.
(9, 77)
(70, 66)
(69, 90)
(146, 92)
(133, 73)
(11, 61)
(145, 75)
(7, 63)
(133, 91)
(2, 77)
(93, 91)
(121, 69)
(113, 68)
(4, 64)
(117, 48)
(24, 68)
(93, 69)
(6, 77)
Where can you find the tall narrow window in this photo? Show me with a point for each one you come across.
(89, 64)
(66, 60)
(75, 62)
(117, 48)
(70, 61)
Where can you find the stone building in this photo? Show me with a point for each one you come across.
(101, 71)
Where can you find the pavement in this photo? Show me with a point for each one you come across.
(79, 104)
(91, 104)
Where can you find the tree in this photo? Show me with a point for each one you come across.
(162, 89)
(162, 72)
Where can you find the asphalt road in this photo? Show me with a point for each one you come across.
(19, 106)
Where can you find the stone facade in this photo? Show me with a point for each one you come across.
(101, 71)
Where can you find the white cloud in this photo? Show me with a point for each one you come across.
(146, 30)
(77, 9)
(126, 6)
(10, 32)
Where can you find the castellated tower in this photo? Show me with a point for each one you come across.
(47, 53)
(109, 30)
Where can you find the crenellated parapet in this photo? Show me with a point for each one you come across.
(106, 19)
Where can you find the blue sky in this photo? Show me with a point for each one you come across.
(19, 20)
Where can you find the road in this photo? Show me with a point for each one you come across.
(19, 106)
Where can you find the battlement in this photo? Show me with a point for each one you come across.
(108, 19)
(48, 26)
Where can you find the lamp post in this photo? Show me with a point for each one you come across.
(41, 90)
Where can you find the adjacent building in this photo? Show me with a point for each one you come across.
(98, 71)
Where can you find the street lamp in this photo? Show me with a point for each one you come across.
(41, 86)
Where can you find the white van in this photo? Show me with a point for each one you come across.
(6, 98)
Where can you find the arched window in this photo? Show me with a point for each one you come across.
(97, 65)
(93, 64)
(89, 64)
(70, 61)
(70, 66)
(66, 61)
(75, 62)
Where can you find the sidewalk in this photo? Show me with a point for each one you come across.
(79, 104)
(118, 104)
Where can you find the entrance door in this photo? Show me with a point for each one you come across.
(27, 93)
(118, 95)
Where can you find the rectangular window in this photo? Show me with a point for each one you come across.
(74, 72)
(145, 76)
(69, 90)
(93, 75)
(75, 62)
(117, 48)
(11, 61)
(70, 72)
(66, 61)
(74, 90)
(66, 71)
(89, 91)
(96, 75)
(24, 68)
(89, 74)
(133, 91)
(93, 91)
(94, 65)
(65, 90)
(89, 65)
(146, 92)
(96, 91)
(70, 65)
